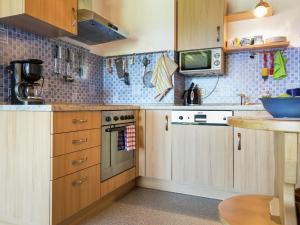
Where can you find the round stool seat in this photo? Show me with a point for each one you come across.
(246, 210)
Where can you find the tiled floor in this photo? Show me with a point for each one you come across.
(150, 207)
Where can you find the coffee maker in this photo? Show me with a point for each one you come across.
(192, 96)
(25, 85)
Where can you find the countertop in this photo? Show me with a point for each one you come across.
(100, 107)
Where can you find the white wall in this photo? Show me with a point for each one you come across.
(150, 24)
(286, 20)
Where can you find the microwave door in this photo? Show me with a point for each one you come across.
(198, 60)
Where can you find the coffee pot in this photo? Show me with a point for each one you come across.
(25, 77)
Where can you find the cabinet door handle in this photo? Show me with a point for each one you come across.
(79, 181)
(218, 33)
(78, 162)
(239, 135)
(79, 142)
(74, 17)
(79, 121)
(167, 123)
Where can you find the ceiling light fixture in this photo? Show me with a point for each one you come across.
(261, 9)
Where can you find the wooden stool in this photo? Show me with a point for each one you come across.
(246, 210)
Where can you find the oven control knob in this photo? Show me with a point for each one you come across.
(108, 119)
(132, 117)
(127, 117)
(116, 118)
(181, 117)
(122, 117)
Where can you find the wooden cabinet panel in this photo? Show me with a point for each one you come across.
(74, 121)
(115, 182)
(75, 141)
(61, 14)
(254, 163)
(72, 193)
(200, 24)
(158, 144)
(71, 163)
(203, 155)
(142, 143)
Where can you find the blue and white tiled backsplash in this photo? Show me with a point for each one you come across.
(99, 86)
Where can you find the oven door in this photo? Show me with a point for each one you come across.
(114, 161)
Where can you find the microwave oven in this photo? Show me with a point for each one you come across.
(203, 62)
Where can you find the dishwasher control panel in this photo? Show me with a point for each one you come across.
(201, 117)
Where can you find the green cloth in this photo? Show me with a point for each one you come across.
(279, 66)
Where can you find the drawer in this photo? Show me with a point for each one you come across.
(74, 121)
(75, 141)
(74, 192)
(73, 162)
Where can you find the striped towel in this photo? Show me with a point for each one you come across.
(162, 76)
(130, 138)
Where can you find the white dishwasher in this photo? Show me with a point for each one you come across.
(202, 148)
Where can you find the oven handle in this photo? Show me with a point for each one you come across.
(115, 129)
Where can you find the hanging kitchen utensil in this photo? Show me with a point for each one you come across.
(126, 74)
(271, 63)
(120, 67)
(68, 77)
(265, 69)
(109, 66)
(147, 74)
(56, 67)
(131, 60)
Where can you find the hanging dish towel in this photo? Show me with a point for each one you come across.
(162, 76)
(121, 140)
(279, 66)
(130, 138)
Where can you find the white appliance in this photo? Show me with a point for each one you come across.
(201, 117)
(202, 62)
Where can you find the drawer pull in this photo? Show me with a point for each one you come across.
(79, 121)
(79, 161)
(79, 181)
(79, 142)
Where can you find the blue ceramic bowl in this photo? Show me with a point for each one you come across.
(282, 107)
(293, 92)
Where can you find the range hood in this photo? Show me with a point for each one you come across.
(94, 29)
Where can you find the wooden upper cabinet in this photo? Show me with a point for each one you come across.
(200, 24)
(158, 144)
(52, 18)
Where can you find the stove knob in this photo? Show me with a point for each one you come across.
(108, 119)
(127, 117)
(122, 117)
(116, 118)
(181, 117)
(132, 117)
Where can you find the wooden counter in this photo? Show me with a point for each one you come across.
(282, 207)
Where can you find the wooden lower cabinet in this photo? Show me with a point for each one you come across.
(74, 192)
(158, 144)
(203, 155)
(254, 159)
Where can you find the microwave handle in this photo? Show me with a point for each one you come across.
(218, 33)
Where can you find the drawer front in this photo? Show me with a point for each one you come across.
(72, 193)
(74, 121)
(73, 162)
(75, 141)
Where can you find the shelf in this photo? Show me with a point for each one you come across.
(246, 15)
(258, 47)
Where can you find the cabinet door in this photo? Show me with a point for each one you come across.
(158, 144)
(61, 14)
(254, 163)
(203, 155)
(200, 24)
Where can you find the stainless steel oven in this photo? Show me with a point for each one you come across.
(114, 160)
